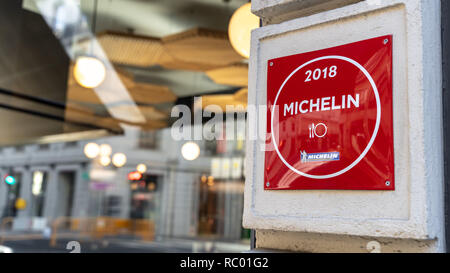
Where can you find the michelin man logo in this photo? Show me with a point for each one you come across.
(303, 156)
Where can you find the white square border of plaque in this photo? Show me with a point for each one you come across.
(415, 208)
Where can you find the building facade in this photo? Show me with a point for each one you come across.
(57, 180)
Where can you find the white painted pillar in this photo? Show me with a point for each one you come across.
(51, 195)
(25, 192)
(409, 219)
(81, 194)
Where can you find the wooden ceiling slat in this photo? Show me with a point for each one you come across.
(143, 93)
(169, 62)
(241, 95)
(131, 49)
(235, 74)
(80, 114)
(197, 49)
(201, 46)
(222, 101)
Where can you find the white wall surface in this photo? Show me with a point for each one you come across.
(276, 11)
(415, 209)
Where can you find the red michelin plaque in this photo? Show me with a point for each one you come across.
(329, 119)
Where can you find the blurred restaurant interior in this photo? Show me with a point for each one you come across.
(87, 90)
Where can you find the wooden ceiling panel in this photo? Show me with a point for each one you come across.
(141, 93)
(153, 125)
(196, 50)
(241, 95)
(130, 49)
(84, 115)
(235, 74)
(146, 93)
(223, 101)
(169, 62)
(151, 94)
(201, 46)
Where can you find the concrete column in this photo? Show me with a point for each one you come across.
(409, 219)
(62, 194)
(121, 187)
(50, 203)
(183, 204)
(233, 211)
(167, 200)
(81, 194)
(25, 192)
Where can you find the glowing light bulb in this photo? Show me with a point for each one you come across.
(190, 150)
(240, 27)
(141, 168)
(119, 159)
(91, 150)
(105, 150)
(105, 160)
(89, 72)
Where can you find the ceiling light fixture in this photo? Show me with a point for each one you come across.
(119, 159)
(105, 150)
(241, 24)
(190, 150)
(89, 72)
(105, 160)
(141, 168)
(91, 150)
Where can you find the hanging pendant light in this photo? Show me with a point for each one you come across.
(141, 168)
(241, 24)
(89, 72)
(91, 150)
(190, 150)
(119, 159)
(105, 160)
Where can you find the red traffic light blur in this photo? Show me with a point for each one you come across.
(134, 176)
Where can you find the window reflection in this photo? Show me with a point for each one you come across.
(74, 149)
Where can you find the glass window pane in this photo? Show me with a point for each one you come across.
(94, 98)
